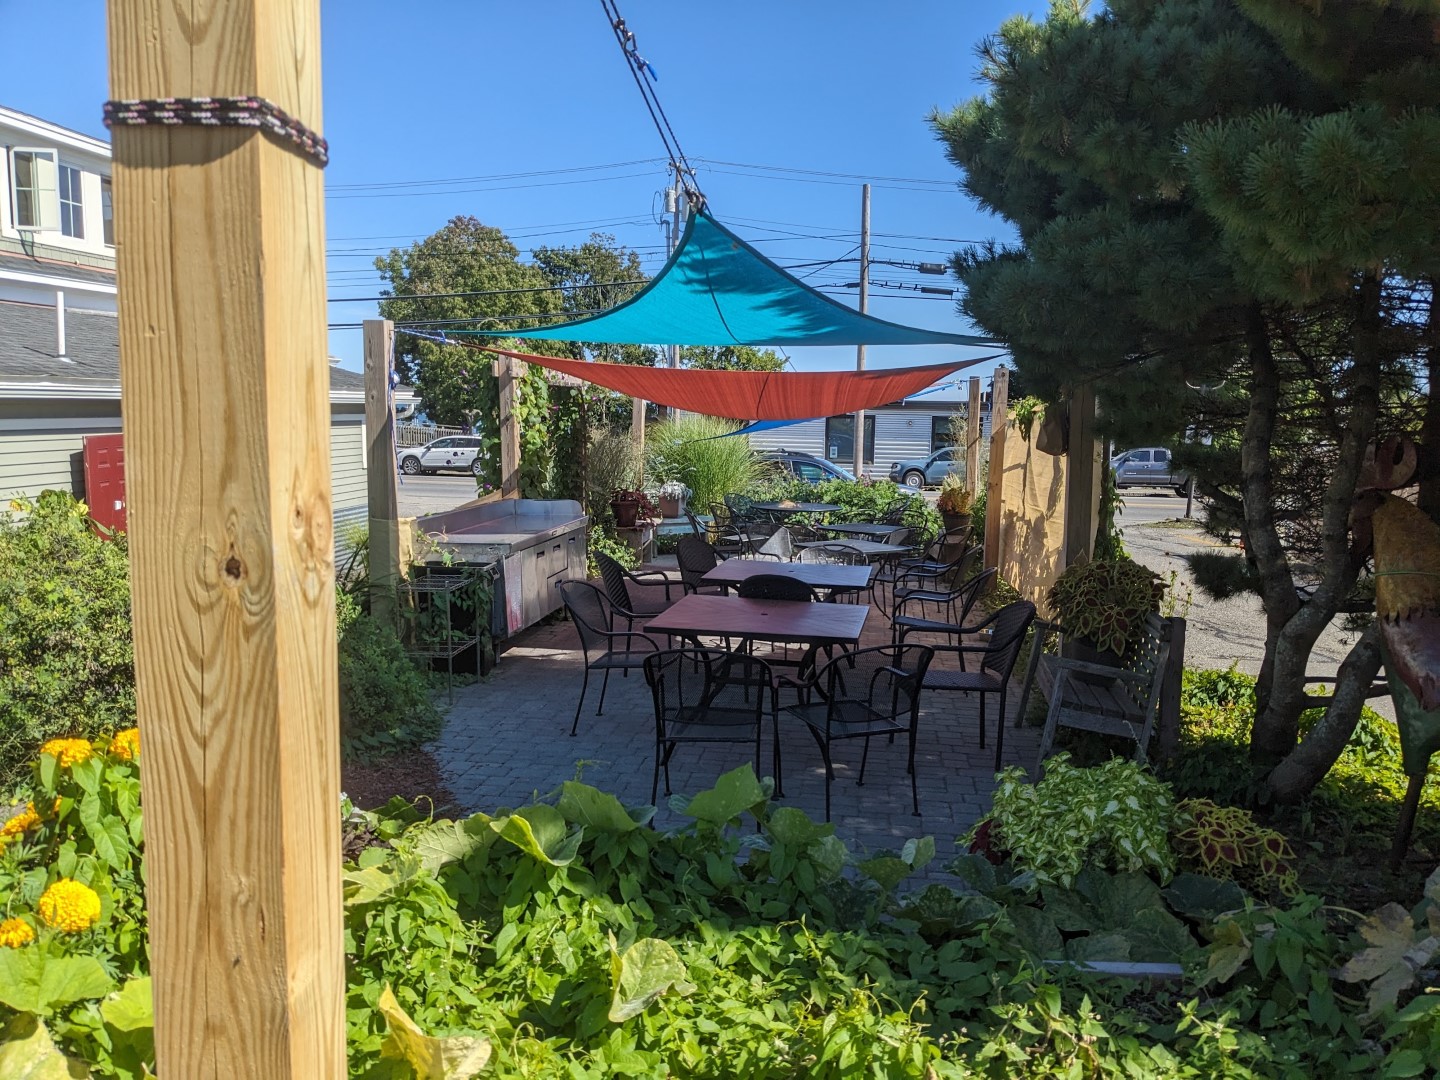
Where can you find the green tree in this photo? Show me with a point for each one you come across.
(730, 358)
(596, 276)
(1112, 143)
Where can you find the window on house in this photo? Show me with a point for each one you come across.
(840, 439)
(33, 189)
(72, 209)
(107, 210)
(941, 432)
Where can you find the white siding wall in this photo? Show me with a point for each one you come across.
(347, 473)
(900, 433)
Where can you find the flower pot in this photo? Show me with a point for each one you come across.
(954, 521)
(1084, 649)
(672, 506)
(626, 512)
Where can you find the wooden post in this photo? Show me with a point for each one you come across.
(1080, 478)
(507, 370)
(221, 252)
(384, 564)
(995, 481)
(973, 428)
(1167, 709)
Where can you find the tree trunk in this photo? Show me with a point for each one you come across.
(1429, 449)
(1308, 763)
(1276, 730)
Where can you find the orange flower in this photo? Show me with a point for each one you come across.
(68, 751)
(126, 744)
(15, 933)
(70, 906)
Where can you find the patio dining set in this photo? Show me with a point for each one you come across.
(763, 629)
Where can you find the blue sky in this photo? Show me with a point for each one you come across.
(474, 93)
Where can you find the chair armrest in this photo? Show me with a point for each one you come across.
(657, 578)
(1087, 668)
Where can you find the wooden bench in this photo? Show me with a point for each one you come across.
(1123, 701)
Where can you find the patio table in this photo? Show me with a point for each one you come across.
(865, 528)
(871, 549)
(761, 620)
(732, 572)
(797, 508)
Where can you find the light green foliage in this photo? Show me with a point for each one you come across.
(602, 540)
(859, 500)
(66, 661)
(730, 358)
(385, 701)
(1112, 815)
(612, 463)
(687, 450)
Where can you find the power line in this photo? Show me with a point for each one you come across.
(822, 172)
(495, 176)
(485, 292)
(471, 191)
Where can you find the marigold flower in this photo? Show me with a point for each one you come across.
(26, 819)
(70, 906)
(68, 751)
(15, 933)
(126, 744)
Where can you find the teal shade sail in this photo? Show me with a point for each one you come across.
(718, 290)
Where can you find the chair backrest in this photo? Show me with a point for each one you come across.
(590, 611)
(898, 538)
(613, 575)
(775, 587)
(887, 678)
(697, 527)
(702, 687)
(1007, 635)
(894, 514)
(836, 554)
(779, 545)
(720, 514)
(695, 558)
(742, 507)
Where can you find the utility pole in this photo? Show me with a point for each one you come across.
(675, 208)
(864, 305)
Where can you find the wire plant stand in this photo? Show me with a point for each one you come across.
(430, 633)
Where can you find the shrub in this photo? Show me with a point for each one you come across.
(385, 701)
(688, 451)
(1115, 815)
(66, 661)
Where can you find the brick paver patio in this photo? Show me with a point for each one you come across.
(506, 742)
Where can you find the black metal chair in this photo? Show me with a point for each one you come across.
(775, 587)
(633, 594)
(707, 696)
(728, 540)
(767, 540)
(932, 583)
(697, 527)
(696, 558)
(863, 694)
(961, 600)
(838, 554)
(1007, 629)
(602, 647)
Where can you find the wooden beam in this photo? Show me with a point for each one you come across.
(507, 370)
(220, 246)
(383, 499)
(995, 486)
(1081, 493)
(973, 428)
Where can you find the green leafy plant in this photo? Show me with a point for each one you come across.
(691, 451)
(66, 661)
(1226, 842)
(1400, 946)
(1106, 601)
(602, 540)
(385, 703)
(1114, 815)
(954, 496)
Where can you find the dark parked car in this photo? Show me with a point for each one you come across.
(454, 453)
(917, 472)
(806, 467)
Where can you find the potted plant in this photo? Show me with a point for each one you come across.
(1102, 605)
(627, 505)
(672, 499)
(954, 503)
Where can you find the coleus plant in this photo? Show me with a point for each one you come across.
(1106, 601)
(1226, 842)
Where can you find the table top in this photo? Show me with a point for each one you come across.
(819, 575)
(762, 620)
(865, 528)
(869, 548)
(798, 508)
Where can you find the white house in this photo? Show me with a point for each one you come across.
(59, 338)
(901, 431)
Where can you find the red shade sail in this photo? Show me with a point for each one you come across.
(754, 395)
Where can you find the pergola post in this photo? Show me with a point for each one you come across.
(220, 246)
(507, 369)
(1081, 493)
(995, 481)
(381, 495)
(973, 428)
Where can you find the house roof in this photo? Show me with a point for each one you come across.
(25, 264)
(31, 368)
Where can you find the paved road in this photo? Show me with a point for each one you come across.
(1217, 633)
(431, 494)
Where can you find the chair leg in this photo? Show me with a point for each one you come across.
(584, 683)
(655, 777)
(982, 719)
(914, 783)
(1000, 730)
(864, 754)
(775, 731)
(606, 682)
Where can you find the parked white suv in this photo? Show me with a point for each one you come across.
(454, 453)
(1148, 466)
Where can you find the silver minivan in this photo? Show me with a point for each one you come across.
(1148, 466)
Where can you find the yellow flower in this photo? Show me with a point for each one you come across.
(70, 906)
(126, 744)
(14, 933)
(22, 821)
(68, 751)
